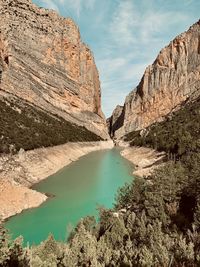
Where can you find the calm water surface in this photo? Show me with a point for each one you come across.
(78, 188)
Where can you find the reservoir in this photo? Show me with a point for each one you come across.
(78, 190)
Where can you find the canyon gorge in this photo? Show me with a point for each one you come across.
(118, 192)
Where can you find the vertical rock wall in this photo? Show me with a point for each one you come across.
(44, 62)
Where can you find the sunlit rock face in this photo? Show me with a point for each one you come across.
(44, 62)
(169, 81)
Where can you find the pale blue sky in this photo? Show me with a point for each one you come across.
(125, 36)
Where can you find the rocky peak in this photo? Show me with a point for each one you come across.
(43, 61)
(169, 81)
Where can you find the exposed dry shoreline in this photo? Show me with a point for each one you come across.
(145, 159)
(21, 171)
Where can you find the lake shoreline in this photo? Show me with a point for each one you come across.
(18, 173)
(145, 160)
(22, 171)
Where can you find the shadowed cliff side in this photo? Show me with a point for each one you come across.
(116, 120)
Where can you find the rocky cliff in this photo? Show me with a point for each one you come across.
(44, 64)
(169, 81)
(116, 120)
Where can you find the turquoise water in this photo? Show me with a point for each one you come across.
(78, 188)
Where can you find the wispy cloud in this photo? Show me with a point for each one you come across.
(122, 23)
(77, 5)
(136, 34)
(50, 4)
(74, 6)
(132, 25)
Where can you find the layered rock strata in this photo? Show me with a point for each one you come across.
(168, 82)
(44, 62)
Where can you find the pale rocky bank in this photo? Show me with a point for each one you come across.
(145, 160)
(21, 171)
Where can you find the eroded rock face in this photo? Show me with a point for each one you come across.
(169, 81)
(116, 120)
(44, 62)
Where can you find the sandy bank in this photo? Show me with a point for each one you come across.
(21, 171)
(144, 159)
(14, 198)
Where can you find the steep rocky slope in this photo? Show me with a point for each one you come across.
(45, 65)
(169, 81)
(116, 120)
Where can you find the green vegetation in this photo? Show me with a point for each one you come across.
(178, 134)
(155, 223)
(25, 126)
(156, 220)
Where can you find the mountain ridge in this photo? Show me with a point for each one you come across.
(173, 77)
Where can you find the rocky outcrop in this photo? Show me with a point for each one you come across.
(44, 62)
(116, 120)
(173, 78)
(145, 160)
(20, 198)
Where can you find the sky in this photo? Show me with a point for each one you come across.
(125, 36)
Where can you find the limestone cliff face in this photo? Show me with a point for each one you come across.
(169, 81)
(44, 62)
(116, 120)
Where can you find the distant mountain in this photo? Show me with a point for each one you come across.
(173, 78)
(46, 69)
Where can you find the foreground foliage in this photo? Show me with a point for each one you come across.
(155, 222)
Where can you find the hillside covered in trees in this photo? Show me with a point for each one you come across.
(155, 221)
(178, 134)
(27, 127)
